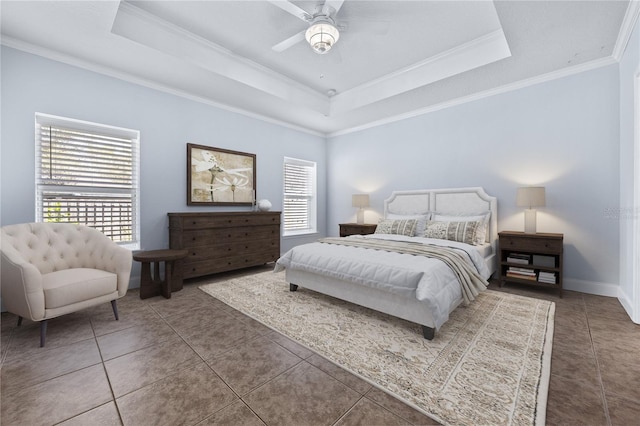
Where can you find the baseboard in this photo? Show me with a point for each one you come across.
(627, 304)
(591, 287)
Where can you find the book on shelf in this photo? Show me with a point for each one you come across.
(521, 258)
(521, 276)
(523, 271)
(517, 260)
(547, 277)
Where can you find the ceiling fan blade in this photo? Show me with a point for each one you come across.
(292, 9)
(285, 44)
(331, 7)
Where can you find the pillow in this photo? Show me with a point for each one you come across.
(483, 218)
(398, 227)
(463, 232)
(420, 218)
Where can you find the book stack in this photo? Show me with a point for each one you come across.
(547, 277)
(521, 258)
(521, 273)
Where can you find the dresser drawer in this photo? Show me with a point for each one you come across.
(203, 222)
(531, 244)
(232, 248)
(215, 236)
(222, 264)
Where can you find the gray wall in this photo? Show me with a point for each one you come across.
(166, 122)
(562, 134)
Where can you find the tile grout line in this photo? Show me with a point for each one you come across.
(104, 368)
(598, 369)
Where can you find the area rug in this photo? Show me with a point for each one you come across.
(488, 365)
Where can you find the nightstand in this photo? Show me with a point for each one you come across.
(531, 259)
(347, 229)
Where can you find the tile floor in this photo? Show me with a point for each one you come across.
(193, 360)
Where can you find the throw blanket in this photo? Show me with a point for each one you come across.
(470, 281)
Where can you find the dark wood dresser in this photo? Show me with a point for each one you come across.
(219, 242)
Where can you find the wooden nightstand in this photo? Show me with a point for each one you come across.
(347, 229)
(532, 259)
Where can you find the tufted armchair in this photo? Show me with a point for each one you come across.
(52, 269)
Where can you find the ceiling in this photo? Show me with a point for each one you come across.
(394, 59)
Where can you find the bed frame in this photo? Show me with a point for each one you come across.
(460, 201)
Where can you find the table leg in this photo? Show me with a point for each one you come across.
(166, 284)
(147, 287)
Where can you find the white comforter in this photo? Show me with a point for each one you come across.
(426, 279)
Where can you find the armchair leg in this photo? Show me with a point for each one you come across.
(114, 306)
(43, 332)
(19, 321)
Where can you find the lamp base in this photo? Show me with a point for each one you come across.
(529, 221)
(360, 217)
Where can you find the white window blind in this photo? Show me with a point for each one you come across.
(87, 173)
(299, 212)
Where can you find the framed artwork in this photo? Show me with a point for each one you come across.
(220, 177)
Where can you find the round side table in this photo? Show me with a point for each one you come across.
(153, 285)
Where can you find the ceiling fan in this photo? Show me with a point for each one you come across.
(322, 33)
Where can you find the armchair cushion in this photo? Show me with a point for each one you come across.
(62, 288)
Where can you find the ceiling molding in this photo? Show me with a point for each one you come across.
(473, 54)
(142, 27)
(626, 29)
(554, 75)
(130, 78)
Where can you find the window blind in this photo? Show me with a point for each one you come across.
(87, 175)
(299, 195)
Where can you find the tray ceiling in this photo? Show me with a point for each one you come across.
(393, 58)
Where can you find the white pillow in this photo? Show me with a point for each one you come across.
(483, 218)
(421, 220)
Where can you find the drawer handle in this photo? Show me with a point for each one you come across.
(194, 222)
(193, 239)
(229, 249)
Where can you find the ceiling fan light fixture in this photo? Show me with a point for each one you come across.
(322, 35)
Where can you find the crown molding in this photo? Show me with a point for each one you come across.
(554, 75)
(111, 72)
(626, 29)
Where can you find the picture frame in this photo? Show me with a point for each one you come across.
(217, 176)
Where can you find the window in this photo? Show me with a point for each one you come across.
(299, 197)
(87, 173)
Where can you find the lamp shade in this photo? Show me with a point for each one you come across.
(530, 196)
(360, 200)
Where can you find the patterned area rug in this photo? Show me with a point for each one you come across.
(488, 365)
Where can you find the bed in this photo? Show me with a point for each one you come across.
(417, 288)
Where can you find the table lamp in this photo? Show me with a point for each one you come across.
(361, 201)
(530, 197)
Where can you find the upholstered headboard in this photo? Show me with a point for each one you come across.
(454, 201)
